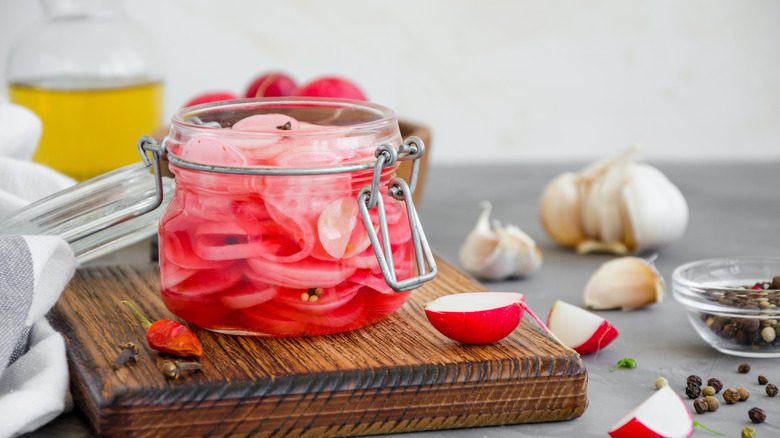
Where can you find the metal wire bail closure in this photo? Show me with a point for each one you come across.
(369, 197)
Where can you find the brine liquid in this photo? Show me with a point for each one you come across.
(276, 256)
(90, 132)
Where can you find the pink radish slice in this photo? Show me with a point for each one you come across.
(216, 247)
(331, 299)
(259, 319)
(212, 150)
(244, 295)
(211, 207)
(375, 281)
(306, 157)
(299, 231)
(301, 275)
(172, 274)
(177, 248)
(267, 123)
(337, 317)
(208, 281)
(272, 139)
(335, 225)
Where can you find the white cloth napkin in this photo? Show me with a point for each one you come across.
(34, 271)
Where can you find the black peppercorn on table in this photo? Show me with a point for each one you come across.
(734, 210)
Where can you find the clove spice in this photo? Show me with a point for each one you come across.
(174, 369)
(129, 353)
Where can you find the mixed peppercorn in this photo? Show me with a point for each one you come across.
(694, 389)
(758, 332)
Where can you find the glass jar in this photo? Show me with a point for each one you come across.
(88, 73)
(287, 218)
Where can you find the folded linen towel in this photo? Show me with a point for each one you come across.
(34, 270)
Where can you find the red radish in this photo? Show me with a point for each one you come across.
(212, 96)
(583, 331)
(271, 85)
(662, 415)
(332, 86)
(478, 317)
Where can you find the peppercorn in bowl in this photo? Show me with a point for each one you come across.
(733, 303)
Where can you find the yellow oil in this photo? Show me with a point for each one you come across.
(90, 132)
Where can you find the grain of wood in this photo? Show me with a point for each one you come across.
(398, 375)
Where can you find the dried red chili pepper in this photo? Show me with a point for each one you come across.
(169, 336)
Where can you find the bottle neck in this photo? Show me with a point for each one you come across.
(81, 8)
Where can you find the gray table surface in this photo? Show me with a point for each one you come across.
(734, 210)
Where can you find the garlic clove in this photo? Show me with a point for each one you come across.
(560, 209)
(624, 283)
(527, 255)
(493, 252)
(655, 209)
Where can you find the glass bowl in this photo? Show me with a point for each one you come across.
(732, 303)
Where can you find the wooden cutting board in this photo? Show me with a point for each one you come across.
(398, 375)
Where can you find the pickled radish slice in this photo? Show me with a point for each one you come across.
(301, 236)
(331, 299)
(178, 250)
(217, 247)
(267, 123)
(271, 140)
(210, 150)
(209, 281)
(374, 281)
(246, 295)
(339, 317)
(302, 158)
(172, 274)
(303, 274)
(335, 225)
(263, 322)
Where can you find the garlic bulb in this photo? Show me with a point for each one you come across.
(495, 252)
(615, 205)
(624, 283)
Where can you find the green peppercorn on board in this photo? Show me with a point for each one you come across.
(398, 375)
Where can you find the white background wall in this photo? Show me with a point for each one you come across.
(499, 80)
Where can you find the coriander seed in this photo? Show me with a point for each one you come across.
(748, 432)
(757, 415)
(744, 393)
(708, 390)
(771, 390)
(661, 382)
(731, 396)
(744, 368)
(712, 403)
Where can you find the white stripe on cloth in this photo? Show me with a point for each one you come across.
(34, 271)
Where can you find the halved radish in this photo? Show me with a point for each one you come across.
(583, 331)
(476, 317)
(662, 415)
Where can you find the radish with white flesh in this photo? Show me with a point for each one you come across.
(662, 415)
(583, 331)
(478, 317)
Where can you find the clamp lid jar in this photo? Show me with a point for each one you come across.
(287, 218)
